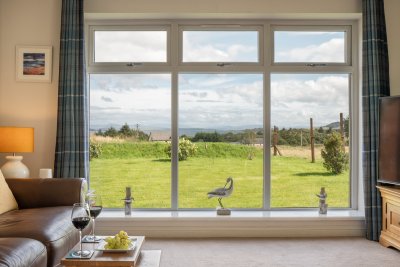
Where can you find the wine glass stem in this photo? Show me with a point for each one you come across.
(94, 236)
(80, 241)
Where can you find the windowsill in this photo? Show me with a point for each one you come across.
(292, 214)
(205, 224)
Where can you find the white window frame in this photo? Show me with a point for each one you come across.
(266, 65)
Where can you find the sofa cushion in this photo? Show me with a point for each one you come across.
(51, 225)
(7, 200)
(22, 252)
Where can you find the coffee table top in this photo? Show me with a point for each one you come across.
(101, 258)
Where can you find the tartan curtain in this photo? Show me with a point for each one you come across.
(71, 155)
(375, 84)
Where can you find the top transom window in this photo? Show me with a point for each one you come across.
(310, 46)
(220, 46)
(130, 46)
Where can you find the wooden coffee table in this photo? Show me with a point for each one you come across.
(135, 258)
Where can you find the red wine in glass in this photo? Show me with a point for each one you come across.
(80, 219)
(95, 211)
(80, 223)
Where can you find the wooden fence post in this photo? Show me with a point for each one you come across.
(312, 140)
(275, 142)
(342, 132)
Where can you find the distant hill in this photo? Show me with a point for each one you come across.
(333, 125)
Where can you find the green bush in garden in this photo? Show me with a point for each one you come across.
(186, 149)
(95, 150)
(335, 159)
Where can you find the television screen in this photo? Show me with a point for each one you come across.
(389, 140)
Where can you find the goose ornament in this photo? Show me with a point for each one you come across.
(220, 193)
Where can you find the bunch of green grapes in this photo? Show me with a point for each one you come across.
(119, 241)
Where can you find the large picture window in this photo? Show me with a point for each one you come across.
(177, 109)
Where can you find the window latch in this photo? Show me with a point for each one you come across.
(134, 64)
(222, 64)
(315, 64)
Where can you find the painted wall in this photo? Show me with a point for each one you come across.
(392, 11)
(27, 22)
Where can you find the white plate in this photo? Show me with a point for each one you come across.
(101, 247)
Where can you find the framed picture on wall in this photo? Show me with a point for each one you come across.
(33, 63)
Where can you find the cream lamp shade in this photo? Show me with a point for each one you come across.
(16, 140)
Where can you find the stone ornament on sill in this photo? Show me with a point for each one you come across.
(220, 193)
(128, 201)
(323, 207)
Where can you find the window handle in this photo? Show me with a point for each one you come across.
(222, 64)
(315, 64)
(134, 64)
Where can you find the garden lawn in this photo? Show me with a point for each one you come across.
(294, 181)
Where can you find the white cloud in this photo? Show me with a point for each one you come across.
(295, 100)
(217, 51)
(330, 51)
(231, 104)
(216, 101)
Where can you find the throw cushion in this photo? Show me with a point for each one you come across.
(7, 199)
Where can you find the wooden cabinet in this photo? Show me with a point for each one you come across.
(390, 234)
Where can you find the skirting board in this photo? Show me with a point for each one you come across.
(232, 227)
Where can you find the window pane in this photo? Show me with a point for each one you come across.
(130, 46)
(220, 46)
(309, 46)
(130, 119)
(222, 114)
(295, 98)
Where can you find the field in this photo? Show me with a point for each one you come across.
(145, 167)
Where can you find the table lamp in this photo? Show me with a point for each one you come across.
(15, 140)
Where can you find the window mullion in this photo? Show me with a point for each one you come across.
(173, 54)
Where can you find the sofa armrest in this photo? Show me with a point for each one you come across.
(47, 192)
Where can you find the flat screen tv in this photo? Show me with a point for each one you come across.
(389, 140)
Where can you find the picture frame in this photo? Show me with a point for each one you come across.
(33, 63)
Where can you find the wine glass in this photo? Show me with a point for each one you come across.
(95, 206)
(80, 219)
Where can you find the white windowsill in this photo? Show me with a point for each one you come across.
(204, 224)
(292, 214)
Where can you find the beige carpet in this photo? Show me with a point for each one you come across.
(273, 252)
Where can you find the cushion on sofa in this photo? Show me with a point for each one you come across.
(51, 225)
(22, 252)
(7, 200)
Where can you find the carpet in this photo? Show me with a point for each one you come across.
(251, 252)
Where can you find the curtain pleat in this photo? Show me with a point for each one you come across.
(71, 155)
(375, 84)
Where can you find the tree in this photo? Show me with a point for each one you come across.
(99, 133)
(125, 131)
(112, 132)
(335, 160)
(249, 137)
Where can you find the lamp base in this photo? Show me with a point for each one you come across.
(14, 168)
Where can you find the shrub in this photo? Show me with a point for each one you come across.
(95, 150)
(186, 149)
(335, 159)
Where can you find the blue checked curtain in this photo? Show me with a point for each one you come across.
(375, 85)
(71, 156)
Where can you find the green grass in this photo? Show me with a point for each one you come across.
(145, 167)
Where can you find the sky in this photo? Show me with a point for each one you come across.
(218, 101)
